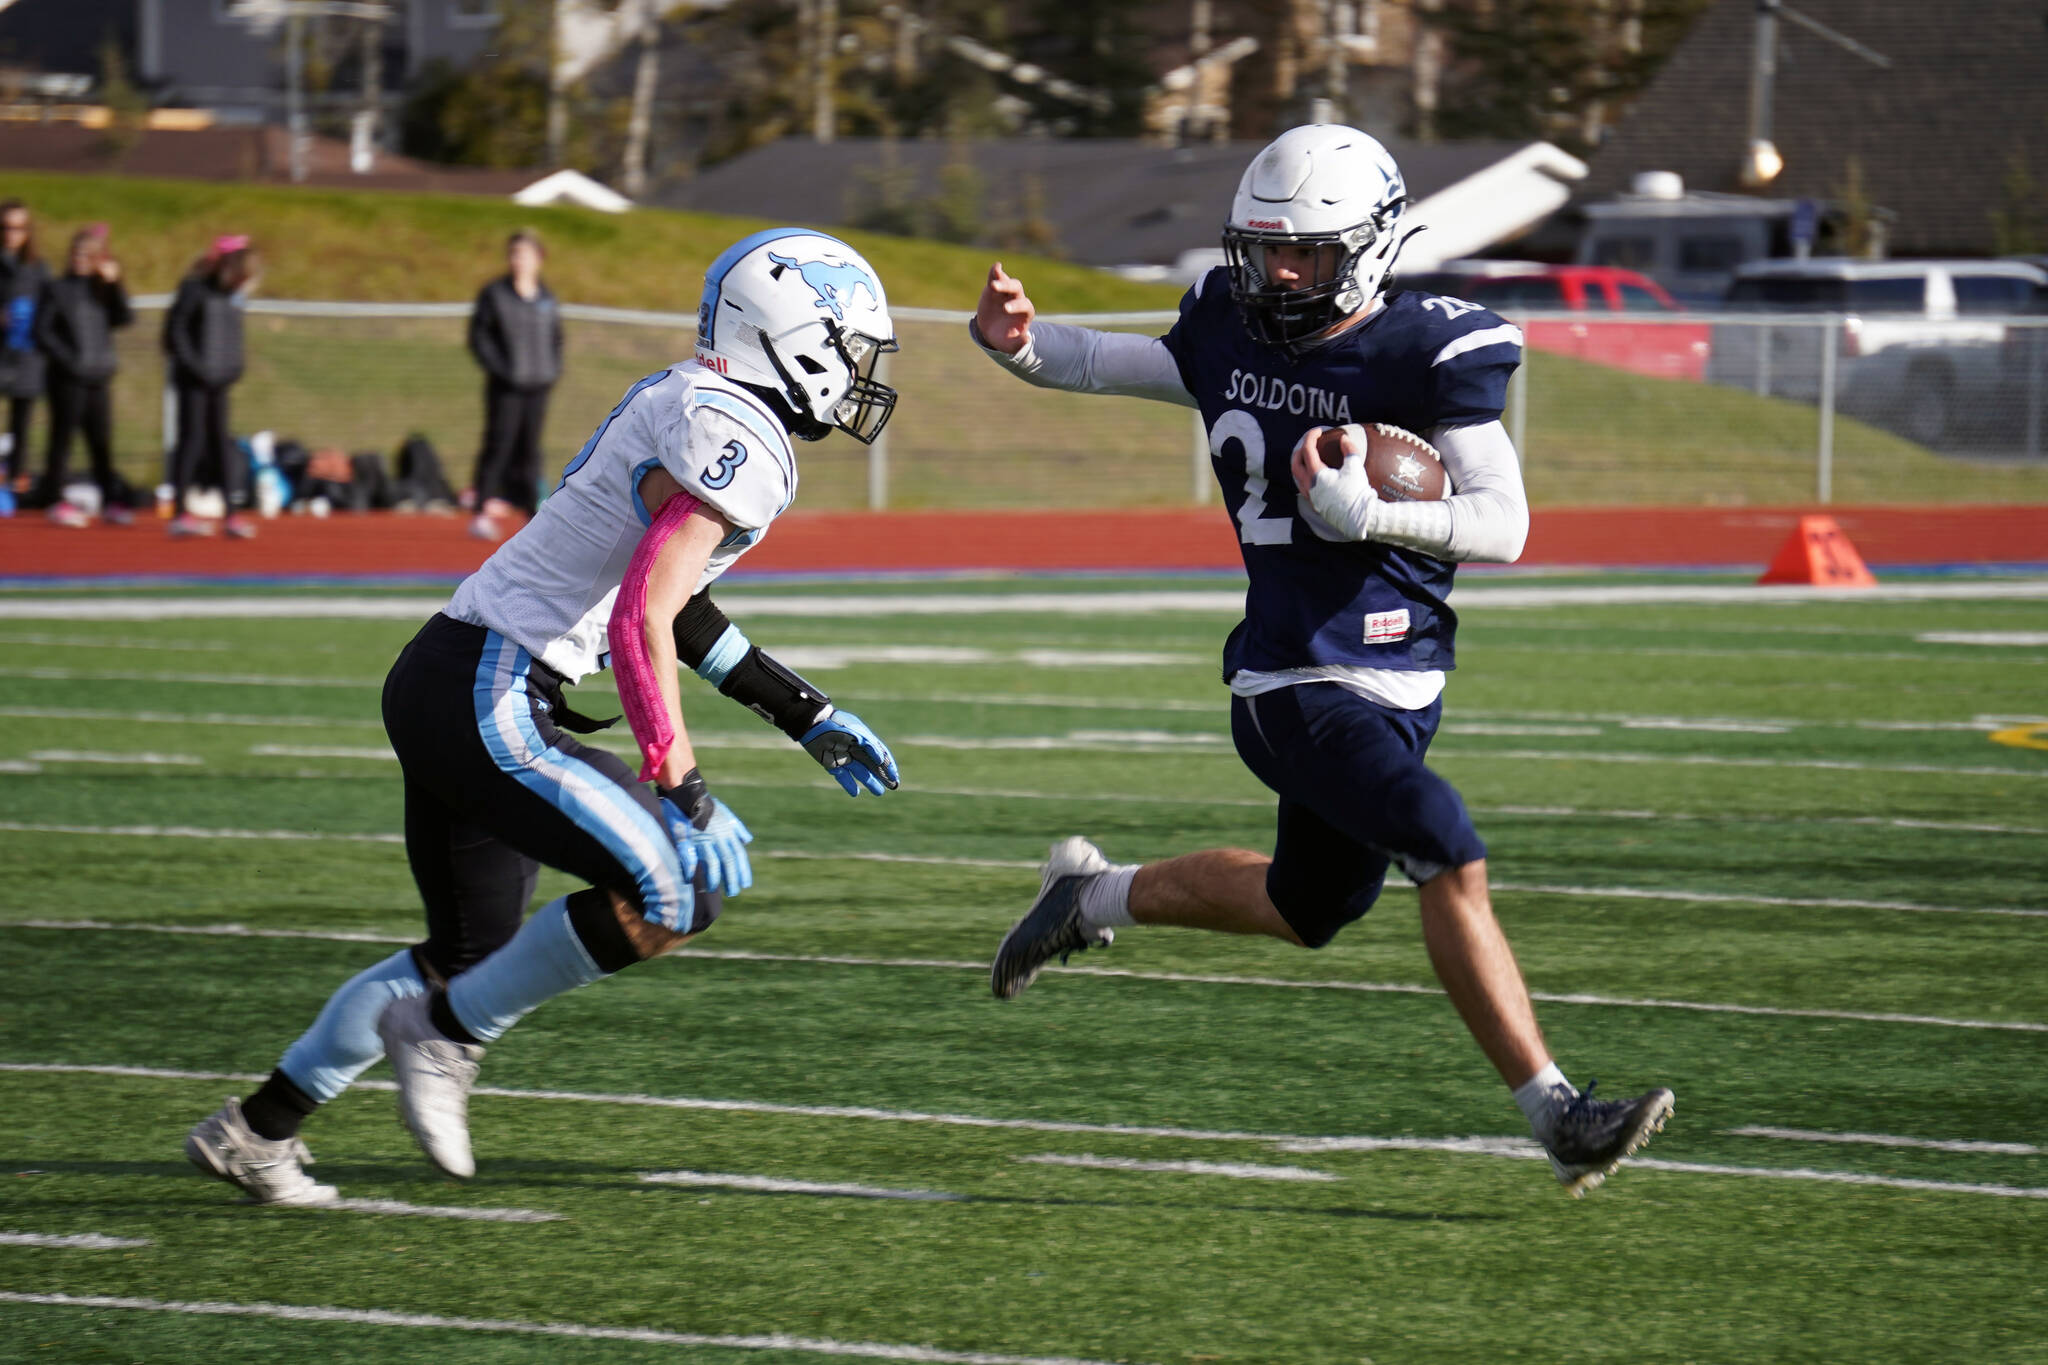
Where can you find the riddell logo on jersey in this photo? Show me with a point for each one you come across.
(1385, 627)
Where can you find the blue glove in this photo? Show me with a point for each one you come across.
(846, 748)
(709, 838)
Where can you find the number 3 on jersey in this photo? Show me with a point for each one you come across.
(1254, 527)
(720, 474)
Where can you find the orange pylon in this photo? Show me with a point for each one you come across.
(1817, 553)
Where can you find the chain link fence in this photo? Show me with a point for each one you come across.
(1687, 409)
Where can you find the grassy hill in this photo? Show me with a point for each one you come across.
(384, 246)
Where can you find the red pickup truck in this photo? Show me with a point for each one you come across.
(1646, 331)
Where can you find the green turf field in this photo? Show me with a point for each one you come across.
(1767, 853)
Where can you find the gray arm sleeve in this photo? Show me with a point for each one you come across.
(1083, 360)
(1486, 518)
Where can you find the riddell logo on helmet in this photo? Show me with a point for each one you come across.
(712, 362)
(1267, 224)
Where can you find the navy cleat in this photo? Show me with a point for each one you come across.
(1052, 927)
(1590, 1137)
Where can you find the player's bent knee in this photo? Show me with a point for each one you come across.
(1316, 911)
(613, 930)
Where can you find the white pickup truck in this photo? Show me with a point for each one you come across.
(1945, 353)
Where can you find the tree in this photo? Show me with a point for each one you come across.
(1559, 70)
(127, 108)
(2019, 224)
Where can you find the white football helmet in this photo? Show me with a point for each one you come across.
(803, 316)
(1319, 185)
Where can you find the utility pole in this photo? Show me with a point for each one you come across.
(1760, 160)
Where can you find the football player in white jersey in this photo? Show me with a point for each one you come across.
(687, 472)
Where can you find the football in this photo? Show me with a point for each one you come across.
(1402, 466)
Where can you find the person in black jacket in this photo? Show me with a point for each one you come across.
(22, 277)
(515, 332)
(203, 349)
(75, 322)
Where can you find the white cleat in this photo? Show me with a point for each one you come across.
(269, 1171)
(434, 1074)
(1052, 927)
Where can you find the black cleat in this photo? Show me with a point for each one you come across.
(1590, 1137)
(1052, 927)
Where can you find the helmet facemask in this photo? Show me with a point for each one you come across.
(862, 409)
(1295, 320)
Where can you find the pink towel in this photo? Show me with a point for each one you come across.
(639, 690)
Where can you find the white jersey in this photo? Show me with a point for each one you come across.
(549, 589)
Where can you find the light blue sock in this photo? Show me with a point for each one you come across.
(343, 1041)
(544, 959)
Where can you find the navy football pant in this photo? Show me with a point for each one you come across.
(1354, 796)
(494, 789)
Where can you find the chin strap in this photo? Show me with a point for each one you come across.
(639, 691)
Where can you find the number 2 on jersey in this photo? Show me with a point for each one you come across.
(720, 474)
(1254, 527)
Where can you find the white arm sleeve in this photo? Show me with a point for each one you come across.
(1084, 360)
(1486, 518)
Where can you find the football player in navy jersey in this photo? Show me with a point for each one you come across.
(1337, 670)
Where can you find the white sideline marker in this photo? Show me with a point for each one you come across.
(1235, 1170)
(80, 1241)
(1517, 1148)
(377, 1317)
(1189, 978)
(1886, 1140)
(1983, 637)
(771, 1185)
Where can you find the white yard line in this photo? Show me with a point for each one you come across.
(144, 760)
(1886, 1140)
(102, 642)
(472, 1215)
(1832, 655)
(770, 1185)
(1838, 1178)
(1983, 637)
(377, 1317)
(207, 679)
(260, 722)
(382, 753)
(1235, 1170)
(81, 1241)
(1512, 1147)
(1741, 898)
(1175, 978)
(1195, 979)
(1080, 602)
(1722, 761)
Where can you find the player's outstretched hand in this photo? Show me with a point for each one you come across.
(1343, 497)
(1003, 317)
(709, 839)
(855, 756)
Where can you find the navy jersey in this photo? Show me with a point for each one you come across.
(1418, 362)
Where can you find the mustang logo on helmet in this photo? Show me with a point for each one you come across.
(837, 286)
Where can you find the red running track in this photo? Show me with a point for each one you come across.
(1162, 540)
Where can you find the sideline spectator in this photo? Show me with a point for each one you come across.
(22, 277)
(203, 346)
(515, 332)
(75, 323)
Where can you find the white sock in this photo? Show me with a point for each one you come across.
(1106, 898)
(1541, 1097)
(544, 959)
